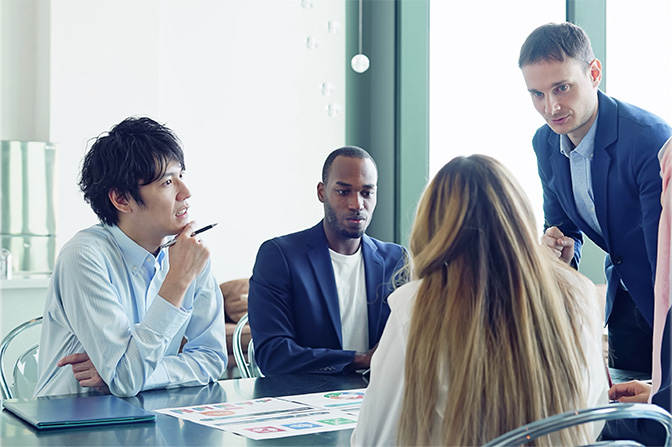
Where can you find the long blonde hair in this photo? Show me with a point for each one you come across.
(494, 313)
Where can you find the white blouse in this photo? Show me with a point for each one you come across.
(379, 414)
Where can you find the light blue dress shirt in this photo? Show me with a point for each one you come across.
(580, 164)
(103, 300)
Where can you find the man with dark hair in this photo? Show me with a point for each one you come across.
(127, 314)
(597, 159)
(317, 300)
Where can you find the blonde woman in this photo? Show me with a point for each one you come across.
(493, 332)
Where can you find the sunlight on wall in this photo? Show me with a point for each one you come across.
(639, 61)
(478, 99)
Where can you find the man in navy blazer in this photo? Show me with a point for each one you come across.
(597, 159)
(318, 298)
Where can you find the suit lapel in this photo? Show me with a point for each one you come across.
(374, 271)
(605, 136)
(323, 271)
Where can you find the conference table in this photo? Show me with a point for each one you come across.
(172, 431)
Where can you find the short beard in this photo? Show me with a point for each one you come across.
(350, 234)
(332, 221)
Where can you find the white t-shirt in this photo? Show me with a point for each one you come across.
(351, 288)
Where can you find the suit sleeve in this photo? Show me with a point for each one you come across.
(554, 214)
(647, 173)
(271, 309)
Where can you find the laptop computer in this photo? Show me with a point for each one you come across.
(79, 411)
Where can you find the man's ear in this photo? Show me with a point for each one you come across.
(119, 201)
(596, 72)
(320, 192)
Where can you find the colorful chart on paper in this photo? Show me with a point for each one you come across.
(271, 418)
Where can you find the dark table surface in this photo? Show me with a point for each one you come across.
(623, 375)
(171, 431)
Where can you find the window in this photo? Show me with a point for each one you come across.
(639, 61)
(478, 99)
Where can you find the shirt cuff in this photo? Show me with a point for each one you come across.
(158, 379)
(164, 318)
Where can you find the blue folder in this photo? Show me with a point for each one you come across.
(68, 412)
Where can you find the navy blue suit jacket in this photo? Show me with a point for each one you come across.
(293, 303)
(646, 431)
(626, 187)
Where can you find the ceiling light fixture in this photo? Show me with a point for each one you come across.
(360, 63)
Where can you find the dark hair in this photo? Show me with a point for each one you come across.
(345, 151)
(132, 154)
(555, 42)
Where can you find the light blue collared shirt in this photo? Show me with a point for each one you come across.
(580, 164)
(103, 300)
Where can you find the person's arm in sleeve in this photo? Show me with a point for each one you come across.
(645, 431)
(378, 419)
(647, 171)
(126, 355)
(555, 216)
(272, 321)
(204, 357)
(595, 376)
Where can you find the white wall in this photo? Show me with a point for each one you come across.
(24, 70)
(233, 78)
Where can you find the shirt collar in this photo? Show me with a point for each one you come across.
(338, 255)
(134, 255)
(585, 147)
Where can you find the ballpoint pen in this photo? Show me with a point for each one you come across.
(174, 240)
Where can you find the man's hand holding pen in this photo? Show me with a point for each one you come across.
(173, 241)
(188, 256)
(561, 245)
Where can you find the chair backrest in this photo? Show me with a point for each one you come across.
(25, 373)
(24, 370)
(247, 366)
(551, 424)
